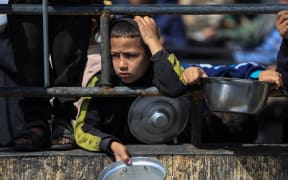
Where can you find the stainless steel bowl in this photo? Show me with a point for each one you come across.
(235, 95)
(142, 168)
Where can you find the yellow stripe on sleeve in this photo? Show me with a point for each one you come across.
(85, 140)
(176, 66)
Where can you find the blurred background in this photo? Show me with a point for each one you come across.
(218, 38)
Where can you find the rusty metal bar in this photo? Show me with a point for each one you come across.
(117, 91)
(106, 65)
(147, 9)
(76, 91)
(99, 92)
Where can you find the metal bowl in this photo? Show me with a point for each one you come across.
(235, 95)
(142, 168)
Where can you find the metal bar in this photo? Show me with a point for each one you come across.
(117, 91)
(106, 65)
(76, 91)
(199, 9)
(52, 10)
(148, 9)
(45, 43)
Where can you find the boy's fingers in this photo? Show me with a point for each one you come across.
(123, 156)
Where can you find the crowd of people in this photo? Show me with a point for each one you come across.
(141, 55)
(243, 37)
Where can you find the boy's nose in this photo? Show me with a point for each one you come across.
(123, 62)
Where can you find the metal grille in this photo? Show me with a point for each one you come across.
(104, 12)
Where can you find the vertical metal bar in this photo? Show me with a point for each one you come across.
(106, 64)
(45, 42)
(195, 120)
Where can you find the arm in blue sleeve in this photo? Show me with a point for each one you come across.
(242, 70)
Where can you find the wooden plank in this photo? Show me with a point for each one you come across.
(183, 162)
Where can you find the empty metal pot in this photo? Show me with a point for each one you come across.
(235, 95)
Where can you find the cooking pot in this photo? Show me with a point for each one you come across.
(142, 168)
(158, 119)
(235, 95)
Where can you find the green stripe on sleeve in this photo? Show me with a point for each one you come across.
(178, 69)
(85, 140)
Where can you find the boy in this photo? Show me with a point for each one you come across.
(139, 59)
(133, 66)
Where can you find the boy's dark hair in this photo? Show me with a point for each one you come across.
(126, 27)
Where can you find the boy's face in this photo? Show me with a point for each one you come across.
(129, 58)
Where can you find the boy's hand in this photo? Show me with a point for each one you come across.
(192, 75)
(282, 23)
(273, 77)
(149, 33)
(120, 152)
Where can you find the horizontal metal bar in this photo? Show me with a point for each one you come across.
(200, 9)
(117, 91)
(147, 9)
(52, 10)
(76, 91)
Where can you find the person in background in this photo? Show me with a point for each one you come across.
(68, 43)
(282, 63)
(11, 116)
(282, 60)
(264, 53)
(194, 24)
(255, 40)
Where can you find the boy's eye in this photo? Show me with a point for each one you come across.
(130, 55)
(115, 55)
(127, 56)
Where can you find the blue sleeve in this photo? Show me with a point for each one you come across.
(265, 53)
(242, 70)
(262, 57)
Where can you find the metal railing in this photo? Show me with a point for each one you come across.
(105, 12)
(146, 9)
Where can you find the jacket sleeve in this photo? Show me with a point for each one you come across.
(88, 134)
(248, 70)
(167, 74)
(282, 62)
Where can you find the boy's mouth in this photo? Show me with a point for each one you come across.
(124, 75)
